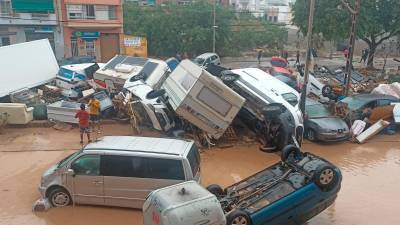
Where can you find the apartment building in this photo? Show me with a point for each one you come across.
(92, 28)
(28, 20)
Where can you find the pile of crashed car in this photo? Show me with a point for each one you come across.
(199, 99)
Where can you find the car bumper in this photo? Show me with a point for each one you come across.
(42, 191)
(333, 137)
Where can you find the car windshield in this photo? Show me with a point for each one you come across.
(353, 103)
(199, 61)
(67, 159)
(291, 98)
(317, 110)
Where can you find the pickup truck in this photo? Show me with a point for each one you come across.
(289, 192)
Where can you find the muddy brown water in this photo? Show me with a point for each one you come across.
(370, 192)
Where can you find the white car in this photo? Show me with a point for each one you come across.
(271, 109)
(207, 58)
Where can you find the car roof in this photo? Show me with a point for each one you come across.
(206, 55)
(264, 81)
(167, 146)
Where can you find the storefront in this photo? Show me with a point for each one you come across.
(101, 45)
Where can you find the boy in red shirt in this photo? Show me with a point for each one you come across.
(83, 118)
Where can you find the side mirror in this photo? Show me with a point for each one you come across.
(70, 172)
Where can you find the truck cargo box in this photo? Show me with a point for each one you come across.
(201, 98)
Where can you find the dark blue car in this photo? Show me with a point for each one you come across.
(288, 193)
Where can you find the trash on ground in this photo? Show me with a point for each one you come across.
(41, 205)
(17, 113)
(63, 111)
(371, 131)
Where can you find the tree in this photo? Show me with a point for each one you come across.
(379, 20)
(171, 28)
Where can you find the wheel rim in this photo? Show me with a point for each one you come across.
(60, 199)
(311, 135)
(326, 176)
(240, 220)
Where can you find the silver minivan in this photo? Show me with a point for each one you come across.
(120, 171)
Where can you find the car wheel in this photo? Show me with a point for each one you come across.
(238, 217)
(325, 177)
(281, 137)
(326, 90)
(59, 197)
(216, 190)
(311, 135)
(290, 152)
(228, 78)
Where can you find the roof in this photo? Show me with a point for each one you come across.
(264, 81)
(281, 70)
(206, 55)
(141, 144)
(123, 59)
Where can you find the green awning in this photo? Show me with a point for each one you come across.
(33, 5)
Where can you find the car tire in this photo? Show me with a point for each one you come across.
(290, 152)
(283, 137)
(311, 135)
(59, 197)
(326, 90)
(216, 190)
(229, 78)
(325, 177)
(238, 217)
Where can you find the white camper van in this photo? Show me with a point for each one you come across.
(201, 98)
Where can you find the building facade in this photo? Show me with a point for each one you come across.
(275, 11)
(28, 20)
(92, 28)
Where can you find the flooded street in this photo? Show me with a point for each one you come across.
(369, 194)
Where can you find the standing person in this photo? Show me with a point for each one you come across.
(362, 55)
(259, 55)
(346, 53)
(297, 57)
(94, 106)
(83, 118)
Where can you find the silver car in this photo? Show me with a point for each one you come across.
(120, 171)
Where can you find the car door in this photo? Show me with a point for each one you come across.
(129, 179)
(86, 182)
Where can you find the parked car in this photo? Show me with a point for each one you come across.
(207, 58)
(120, 171)
(321, 125)
(357, 103)
(289, 192)
(271, 109)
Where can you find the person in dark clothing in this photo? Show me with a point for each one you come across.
(364, 55)
(298, 57)
(259, 56)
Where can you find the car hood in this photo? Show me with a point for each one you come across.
(331, 123)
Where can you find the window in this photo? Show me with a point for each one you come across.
(215, 102)
(165, 169)
(5, 8)
(4, 41)
(291, 98)
(88, 165)
(194, 159)
(74, 47)
(89, 10)
(90, 48)
(141, 167)
(81, 11)
(112, 12)
(188, 81)
(275, 19)
(383, 102)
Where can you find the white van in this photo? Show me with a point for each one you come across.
(120, 171)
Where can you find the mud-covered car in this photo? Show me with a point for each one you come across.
(289, 192)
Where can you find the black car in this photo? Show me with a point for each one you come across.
(321, 125)
(357, 103)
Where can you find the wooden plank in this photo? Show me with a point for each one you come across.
(372, 130)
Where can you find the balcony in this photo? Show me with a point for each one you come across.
(28, 19)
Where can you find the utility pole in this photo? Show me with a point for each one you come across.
(349, 63)
(308, 57)
(214, 26)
